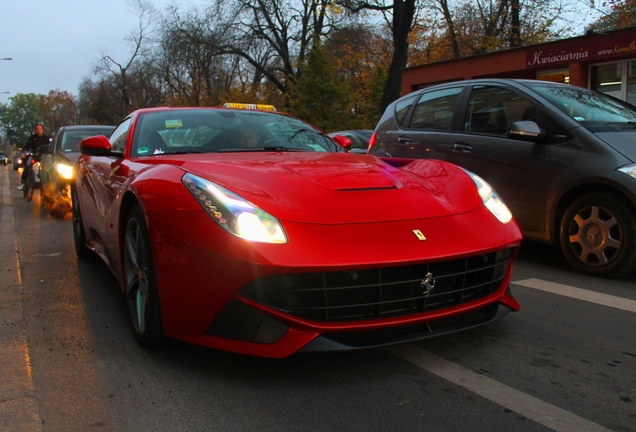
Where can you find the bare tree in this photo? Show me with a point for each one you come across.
(139, 40)
(190, 62)
(272, 37)
(400, 17)
(481, 26)
(615, 14)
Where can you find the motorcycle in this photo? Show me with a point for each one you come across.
(33, 180)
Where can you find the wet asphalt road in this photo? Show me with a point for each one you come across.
(566, 361)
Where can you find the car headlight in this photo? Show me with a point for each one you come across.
(630, 170)
(491, 199)
(233, 213)
(64, 170)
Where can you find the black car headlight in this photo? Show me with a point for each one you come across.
(64, 170)
(233, 213)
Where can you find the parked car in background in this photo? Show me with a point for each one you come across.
(254, 232)
(57, 163)
(4, 159)
(562, 157)
(359, 139)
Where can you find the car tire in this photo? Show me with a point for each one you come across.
(598, 235)
(142, 295)
(79, 236)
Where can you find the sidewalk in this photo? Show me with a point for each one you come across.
(18, 405)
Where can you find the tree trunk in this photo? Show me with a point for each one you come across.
(403, 12)
(515, 30)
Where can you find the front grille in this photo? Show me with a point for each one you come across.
(413, 332)
(367, 294)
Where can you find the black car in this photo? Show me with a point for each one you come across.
(359, 139)
(17, 159)
(57, 162)
(562, 157)
(4, 160)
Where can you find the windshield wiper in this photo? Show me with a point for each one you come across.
(185, 152)
(623, 123)
(261, 149)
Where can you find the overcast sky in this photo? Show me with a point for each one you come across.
(55, 43)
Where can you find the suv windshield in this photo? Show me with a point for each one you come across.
(586, 106)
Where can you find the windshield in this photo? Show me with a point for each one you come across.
(71, 138)
(586, 106)
(209, 130)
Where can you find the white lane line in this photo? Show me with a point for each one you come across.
(532, 408)
(580, 294)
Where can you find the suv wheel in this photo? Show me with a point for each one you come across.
(597, 235)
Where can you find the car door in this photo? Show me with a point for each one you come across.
(426, 125)
(99, 188)
(519, 170)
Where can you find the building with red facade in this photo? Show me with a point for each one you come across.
(605, 62)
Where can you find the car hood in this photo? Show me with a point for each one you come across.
(623, 142)
(331, 188)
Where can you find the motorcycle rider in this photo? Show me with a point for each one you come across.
(33, 143)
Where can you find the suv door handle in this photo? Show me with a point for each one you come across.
(463, 148)
(404, 140)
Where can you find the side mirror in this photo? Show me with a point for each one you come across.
(343, 141)
(98, 145)
(526, 130)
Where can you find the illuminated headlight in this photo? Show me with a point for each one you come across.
(630, 170)
(491, 199)
(233, 213)
(64, 170)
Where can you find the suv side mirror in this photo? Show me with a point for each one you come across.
(526, 130)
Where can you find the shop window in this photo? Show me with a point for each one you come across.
(631, 82)
(607, 78)
(560, 76)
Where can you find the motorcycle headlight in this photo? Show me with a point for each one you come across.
(233, 213)
(491, 199)
(64, 170)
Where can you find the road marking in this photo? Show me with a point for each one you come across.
(534, 409)
(579, 294)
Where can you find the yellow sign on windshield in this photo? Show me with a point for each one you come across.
(249, 106)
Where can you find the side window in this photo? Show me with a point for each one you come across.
(402, 108)
(119, 135)
(435, 109)
(492, 110)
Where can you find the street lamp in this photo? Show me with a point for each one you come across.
(6, 58)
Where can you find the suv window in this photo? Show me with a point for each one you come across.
(435, 109)
(402, 108)
(492, 110)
